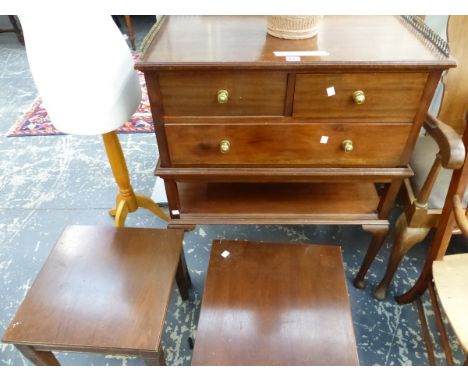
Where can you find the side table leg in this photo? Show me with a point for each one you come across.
(379, 233)
(39, 358)
(183, 277)
(155, 358)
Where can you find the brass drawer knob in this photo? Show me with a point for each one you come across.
(347, 146)
(223, 96)
(224, 146)
(359, 97)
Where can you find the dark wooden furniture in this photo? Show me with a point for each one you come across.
(445, 276)
(131, 32)
(275, 304)
(16, 29)
(434, 157)
(104, 290)
(249, 136)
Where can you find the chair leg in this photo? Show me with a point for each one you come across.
(405, 238)
(379, 233)
(183, 277)
(425, 332)
(440, 325)
(39, 358)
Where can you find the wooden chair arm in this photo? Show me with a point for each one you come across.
(460, 216)
(452, 150)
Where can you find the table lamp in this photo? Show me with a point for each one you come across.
(84, 65)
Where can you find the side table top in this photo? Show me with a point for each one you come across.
(101, 287)
(275, 304)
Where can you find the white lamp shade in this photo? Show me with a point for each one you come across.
(83, 70)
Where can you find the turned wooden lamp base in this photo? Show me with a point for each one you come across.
(126, 201)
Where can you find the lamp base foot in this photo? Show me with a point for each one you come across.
(122, 208)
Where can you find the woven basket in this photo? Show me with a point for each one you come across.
(293, 27)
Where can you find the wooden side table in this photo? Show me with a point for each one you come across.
(275, 304)
(103, 290)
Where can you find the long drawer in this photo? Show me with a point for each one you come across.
(223, 93)
(359, 97)
(364, 145)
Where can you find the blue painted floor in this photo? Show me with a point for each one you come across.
(47, 183)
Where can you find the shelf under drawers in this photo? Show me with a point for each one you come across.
(277, 203)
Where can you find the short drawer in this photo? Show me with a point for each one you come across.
(330, 145)
(370, 97)
(223, 93)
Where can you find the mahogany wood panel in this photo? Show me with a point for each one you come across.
(275, 304)
(362, 42)
(101, 288)
(278, 198)
(390, 97)
(288, 109)
(195, 93)
(431, 85)
(157, 112)
(376, 145)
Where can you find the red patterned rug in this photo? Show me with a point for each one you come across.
(36, 121)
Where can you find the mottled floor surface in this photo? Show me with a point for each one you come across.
(47, 183)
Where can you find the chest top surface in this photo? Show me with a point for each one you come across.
(242, 42)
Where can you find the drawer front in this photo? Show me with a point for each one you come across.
(368, 145)
(388, 97)
(223, 94)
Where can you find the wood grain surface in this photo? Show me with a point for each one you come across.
(101, 288)
(374, 145)
(275, 304)
(321, 198)
(390, 97)
(250, 94)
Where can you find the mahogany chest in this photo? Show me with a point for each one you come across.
(253, 129)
